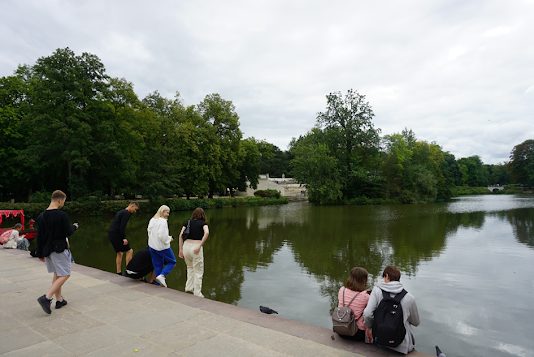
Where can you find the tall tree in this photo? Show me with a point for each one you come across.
(222, 116)
(66, 108)
(521, 163)
(473, 173)
(316, 167)
(13, 91)
(352, 144)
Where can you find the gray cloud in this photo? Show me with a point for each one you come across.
(458, 73)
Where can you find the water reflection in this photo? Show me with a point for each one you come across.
(285, 255)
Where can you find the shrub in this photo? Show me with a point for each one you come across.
(41, 197)
(267, 193)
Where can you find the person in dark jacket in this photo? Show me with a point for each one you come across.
(117, 234)
(141, 265)
(52, 248)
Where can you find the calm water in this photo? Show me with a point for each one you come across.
(468, 262)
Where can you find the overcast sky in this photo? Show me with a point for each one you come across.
(460, 73)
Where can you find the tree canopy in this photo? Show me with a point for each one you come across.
(65, 123)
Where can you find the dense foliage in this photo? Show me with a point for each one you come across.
(343, 160)
(64, 123)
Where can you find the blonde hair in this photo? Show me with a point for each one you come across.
(159, 213)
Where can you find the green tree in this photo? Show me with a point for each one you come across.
(161, 169)
(412, 168)
(249, 164)
(521, 163)
(119, 148)
(274, 161)
(13, 91)
(472, 170)
(353, 140)
(66, 115)
(221, 115)
(315, 166)
(498, 174)
(199, 153)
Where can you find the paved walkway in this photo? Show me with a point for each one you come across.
(110, 315)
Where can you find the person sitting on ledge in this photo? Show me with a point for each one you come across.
(15, 240)
(391, 287)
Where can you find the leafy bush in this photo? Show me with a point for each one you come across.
(41, 197)
(267, 193)
(467, 190)
(95, 207)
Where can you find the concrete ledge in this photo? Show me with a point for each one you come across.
(108, 315)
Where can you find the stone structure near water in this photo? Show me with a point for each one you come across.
(287, 187)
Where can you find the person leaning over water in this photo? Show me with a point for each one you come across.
(355, 288)
(191, 250)
(117, 234)
(159, 242)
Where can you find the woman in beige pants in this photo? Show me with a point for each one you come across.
(191, 250)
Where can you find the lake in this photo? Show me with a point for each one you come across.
(468, 262)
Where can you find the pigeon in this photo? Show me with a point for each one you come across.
(267, 310)
(439, 353)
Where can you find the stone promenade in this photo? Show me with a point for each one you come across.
(110, 315)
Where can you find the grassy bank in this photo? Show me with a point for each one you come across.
(98, 208)
(508, 190)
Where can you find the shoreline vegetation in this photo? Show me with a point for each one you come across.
(95, 207)
(110, 143)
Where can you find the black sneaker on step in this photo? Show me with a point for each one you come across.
(60, 304)
(45, 304)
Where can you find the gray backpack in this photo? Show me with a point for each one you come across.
(343, 320)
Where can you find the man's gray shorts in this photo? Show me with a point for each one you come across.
(59, 263)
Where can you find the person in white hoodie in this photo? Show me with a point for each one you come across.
(393, 286)
(159, 242)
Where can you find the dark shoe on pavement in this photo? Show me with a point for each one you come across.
(60, 304)
(45, 304)
(122, 273)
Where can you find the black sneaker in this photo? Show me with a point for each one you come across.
(60, 304)
(45, 304)
(122, 273)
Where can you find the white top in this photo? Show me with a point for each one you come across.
(14, 238)
(158, 234)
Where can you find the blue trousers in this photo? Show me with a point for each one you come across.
(163, 261)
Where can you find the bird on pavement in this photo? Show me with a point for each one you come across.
(439, 353)
(267, 310)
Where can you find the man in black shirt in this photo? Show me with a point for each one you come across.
(52, 248)
(117, 234)
(141, 265)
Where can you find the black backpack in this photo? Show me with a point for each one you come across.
(388, 324)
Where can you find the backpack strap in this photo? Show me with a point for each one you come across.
(397, 298)
(350, 302)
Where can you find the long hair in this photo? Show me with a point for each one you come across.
(159, 213)
(198, 213)
(357, 280)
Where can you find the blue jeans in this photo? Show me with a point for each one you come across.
(163, 261)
